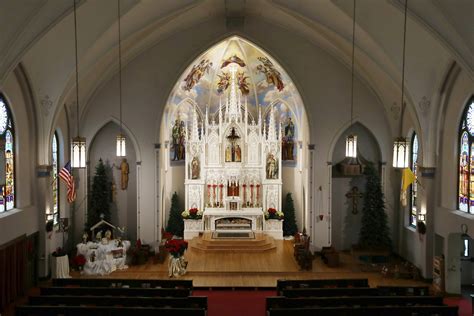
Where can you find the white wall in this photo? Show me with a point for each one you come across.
(346, 225)
(124, 209)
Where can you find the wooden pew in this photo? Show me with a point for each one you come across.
(330, 292)
(172, 302)
(360, 301)
(314, 283)
(404, 290)
(187, 284)
(110, 291)
(368, 311)
(27, 310)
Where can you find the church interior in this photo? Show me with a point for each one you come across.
(273, 149)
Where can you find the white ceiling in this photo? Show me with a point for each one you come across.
(39, 35)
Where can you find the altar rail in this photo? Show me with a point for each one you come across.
(176, 284)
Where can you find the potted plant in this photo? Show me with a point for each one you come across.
(272, 213)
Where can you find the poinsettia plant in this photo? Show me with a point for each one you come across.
(79, 261)
(176, 247)
(192, 213)
(272, 213)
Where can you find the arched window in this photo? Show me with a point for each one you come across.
(466, 160)
(414, 186)
(54, 212)
(7, 157)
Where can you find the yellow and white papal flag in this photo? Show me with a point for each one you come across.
(408, 177)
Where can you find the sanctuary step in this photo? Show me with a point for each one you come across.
(208, 242)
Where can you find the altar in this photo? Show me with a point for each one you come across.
(233, 163)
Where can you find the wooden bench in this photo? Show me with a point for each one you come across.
(187, 284)
(329, 292)
(360, 301)
(110, 291)
(27, 310)
(318, 283)
(404, 290)
(170, 302)
(368, 311)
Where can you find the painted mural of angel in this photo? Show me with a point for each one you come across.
(272, 75)
(196, 74)
(243, 84)
(233, 59)
(223, 83)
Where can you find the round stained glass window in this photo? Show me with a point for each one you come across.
(470, 119)
(3, 117)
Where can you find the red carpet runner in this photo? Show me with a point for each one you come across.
(235, 303)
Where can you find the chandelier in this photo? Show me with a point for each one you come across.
(351, 139)
(78, 143)
(401, 144)
(121, 141)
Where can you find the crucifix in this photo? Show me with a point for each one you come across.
(354, 194)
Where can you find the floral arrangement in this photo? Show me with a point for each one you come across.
(192, 213)
(272, 213)
(176, 247)
(79, 261)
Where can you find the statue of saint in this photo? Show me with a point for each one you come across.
(195, 168)
(228, 154)
(178, 133)
(238, 153)
(124, 171)
(271, 168)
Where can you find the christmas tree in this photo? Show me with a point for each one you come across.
(175, 221)
(374, 232)
(99, 196)
(289, 225)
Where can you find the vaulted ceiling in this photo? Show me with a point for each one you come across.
(39, 35)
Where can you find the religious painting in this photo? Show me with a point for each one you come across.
(178, 136)
(272, 75)
(288, 140)
(196, 74)
(233, 151)
(195, 168)
(271, 167)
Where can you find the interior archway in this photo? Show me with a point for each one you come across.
(264, 84)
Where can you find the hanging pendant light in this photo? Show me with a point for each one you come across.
(401, 144)
(78, 143)
(121, 140)
(351, 139)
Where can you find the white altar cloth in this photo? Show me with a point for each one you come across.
(104, 262)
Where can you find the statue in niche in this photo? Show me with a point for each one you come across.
(238, 153)
(288, 142)
(233, 152)
(195, 168)
(271, 167)
(228, 154)
(178, 134)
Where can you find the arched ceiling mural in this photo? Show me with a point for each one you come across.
(262, 82)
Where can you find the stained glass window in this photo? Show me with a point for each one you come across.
(7, 158)
(414, 186)
(466, 160)
(54, 212)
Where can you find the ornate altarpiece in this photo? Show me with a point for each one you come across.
(233, 166)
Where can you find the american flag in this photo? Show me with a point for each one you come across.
(66, 175)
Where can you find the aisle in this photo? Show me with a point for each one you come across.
(235, 303)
